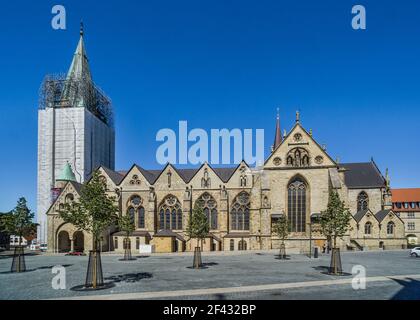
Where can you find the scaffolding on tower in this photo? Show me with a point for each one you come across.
(61, 91)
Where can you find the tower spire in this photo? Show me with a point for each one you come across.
(79, 68)
(277, 137)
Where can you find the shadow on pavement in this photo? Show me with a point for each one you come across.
(130, 277)
(410, 290)
(36, 269)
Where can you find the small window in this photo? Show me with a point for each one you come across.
(368, 228)
(411, 226)
(232, 245)
(413, 205)
(405, 205)
(390, 228)
(398, 204)
(115, 243)
(411, 215)
(137, 243)
(242, 245)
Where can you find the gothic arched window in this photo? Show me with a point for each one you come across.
(297, 197)
(209, 206)
(170, 214)
(390, 228)
(368, 228)
(362, 201)
(141, 217)
(136, 208)
(240, 212)
(132, 214)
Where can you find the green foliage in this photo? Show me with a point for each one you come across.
(335, 221)
(94, 211)
(198, 225)
(19, 221)
(126, 225)
(281, 228)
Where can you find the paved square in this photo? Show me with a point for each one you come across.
(253, 275)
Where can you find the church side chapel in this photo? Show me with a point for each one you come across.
(241, 203)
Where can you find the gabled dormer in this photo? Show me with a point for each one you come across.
(136, 179)
(299, 150)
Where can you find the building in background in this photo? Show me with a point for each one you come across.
(406, 203)
(75, 128)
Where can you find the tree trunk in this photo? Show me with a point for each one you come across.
(94, 276)
(335, 265)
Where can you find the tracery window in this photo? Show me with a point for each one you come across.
(297, 197)
(69, 198)
(362, 201)
(209, 206)
(170, 214)
(136, 208)
(239, 215)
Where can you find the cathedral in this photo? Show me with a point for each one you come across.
(241, 203)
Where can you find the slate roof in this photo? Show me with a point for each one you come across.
(169, 233)
(381, 215)
(115, 176)
(359, 215)
(362, 175)
(133, 234)
(237, 235)
(186, 174)
(77, 186)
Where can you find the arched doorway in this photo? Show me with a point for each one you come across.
(79, 241)
(63, 244)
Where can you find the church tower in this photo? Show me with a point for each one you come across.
(75, 130)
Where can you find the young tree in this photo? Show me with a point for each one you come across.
(335, 223)
(126, 225)
(19, 223)
(94, 212)
(198, 228)
(281, 229)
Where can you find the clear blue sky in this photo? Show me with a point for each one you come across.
(165, 61)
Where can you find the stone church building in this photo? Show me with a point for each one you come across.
(241, 203)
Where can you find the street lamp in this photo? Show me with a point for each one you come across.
(313, 219)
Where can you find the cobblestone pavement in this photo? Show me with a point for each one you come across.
(166, 273)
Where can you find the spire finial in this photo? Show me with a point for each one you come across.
(297, 116)
(277, 136)
(82, 31)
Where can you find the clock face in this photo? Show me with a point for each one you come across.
(319, 160)
(277, 162)
(297, 137)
